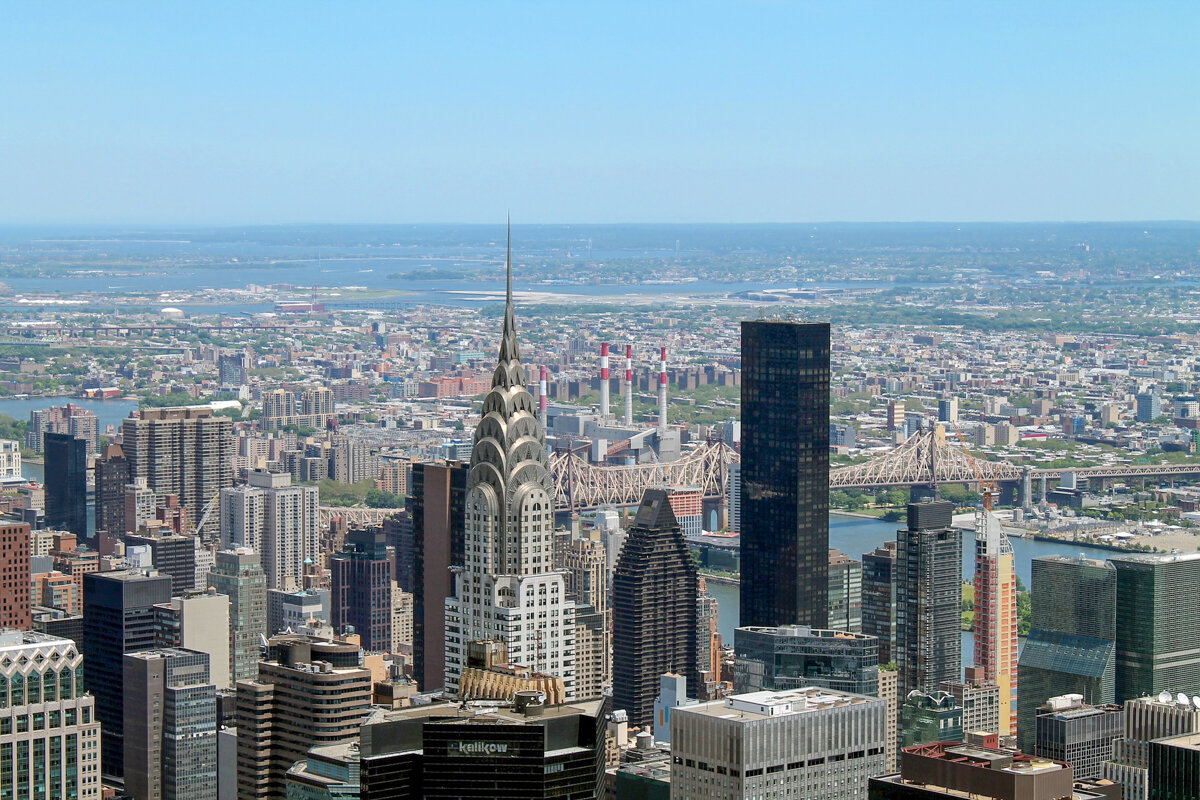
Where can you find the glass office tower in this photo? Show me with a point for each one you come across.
(785, 474)
(928, 598)
(1071, 647)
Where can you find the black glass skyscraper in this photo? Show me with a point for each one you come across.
(66, 483)
(879, 599)
(928, 579)
(654, 592)
(118, 616)
(785, 474)
(362, 588)
(438, 501)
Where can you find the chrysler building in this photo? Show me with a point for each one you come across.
(508, 590)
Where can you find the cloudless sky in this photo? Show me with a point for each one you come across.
(753, 111)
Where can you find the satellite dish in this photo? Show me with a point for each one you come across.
(1182, 699)
(1164, 697)
(1196, 700)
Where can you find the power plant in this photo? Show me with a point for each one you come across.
(603, 438)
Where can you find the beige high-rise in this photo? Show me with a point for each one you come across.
(185, 451)
(308, 692)
(586, 574)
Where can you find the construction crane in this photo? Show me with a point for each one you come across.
(205, 511)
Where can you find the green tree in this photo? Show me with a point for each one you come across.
(959, 495)
(377, 498)
(1024, 614)
(13, 428)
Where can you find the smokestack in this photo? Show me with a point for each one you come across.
(604, 380)
(628, 385)
(542, 398)
(662, 393)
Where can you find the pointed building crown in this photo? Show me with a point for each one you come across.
(655, 511)
(508, 341)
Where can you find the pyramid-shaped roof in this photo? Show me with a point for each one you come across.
(655, 511)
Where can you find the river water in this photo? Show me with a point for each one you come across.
(856, 535)
(108, 412)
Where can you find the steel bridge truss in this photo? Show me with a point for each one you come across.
(579, 485)
(353, 516)
(924, 458)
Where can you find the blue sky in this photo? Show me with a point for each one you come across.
(233, 113)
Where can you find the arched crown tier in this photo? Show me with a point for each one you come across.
(510, 444)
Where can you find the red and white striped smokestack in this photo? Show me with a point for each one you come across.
(604, 380)
(629, 384)
(662, 392)
(542, 397)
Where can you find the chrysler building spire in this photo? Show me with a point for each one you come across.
(508, 340)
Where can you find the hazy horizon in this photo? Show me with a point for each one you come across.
(200, 225)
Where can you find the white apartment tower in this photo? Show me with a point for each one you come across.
(278, 521)
(508, 589)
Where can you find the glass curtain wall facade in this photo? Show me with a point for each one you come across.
(793, 657)
(928, 598)
(785, 474)
(1157, 624)
(1071, 647)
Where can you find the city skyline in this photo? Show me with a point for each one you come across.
(524, 634)
(816, 465)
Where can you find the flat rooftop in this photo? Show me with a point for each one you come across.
(1083, 711)
(1155, 558)
(753, 706)
(19, 640)
(481, 712)
(992, 758)
(1083, 793)
(804, 632)
(1190, 741)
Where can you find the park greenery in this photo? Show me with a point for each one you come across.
(868, 501)
(363, 493)
(13, 428)
(150, 400)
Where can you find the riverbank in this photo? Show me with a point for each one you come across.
(1163, 542)
(863, 515)
(724, 579)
